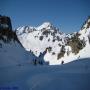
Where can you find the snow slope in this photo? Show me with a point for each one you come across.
(59, 46)
(11, 51)
(72, 76)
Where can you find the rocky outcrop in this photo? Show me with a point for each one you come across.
(5, 22)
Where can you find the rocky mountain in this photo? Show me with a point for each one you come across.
(59, 47)
(11, 50)
(5, 22)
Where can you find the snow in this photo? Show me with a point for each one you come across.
(13, 54)
(18, 73)
(46, 25)
(72, 76)
(31, 42)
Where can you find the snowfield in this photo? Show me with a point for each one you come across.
(72, 76)
(13, 53)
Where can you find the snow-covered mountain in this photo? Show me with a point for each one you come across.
(11, 50)
(59, 47)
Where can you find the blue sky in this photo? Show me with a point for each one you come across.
(68, 15)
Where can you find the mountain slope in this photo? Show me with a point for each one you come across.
(59, 47)
(11, 50)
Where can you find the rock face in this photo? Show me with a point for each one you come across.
(6, 33)
(5, 22)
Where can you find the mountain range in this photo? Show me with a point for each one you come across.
(44, 44)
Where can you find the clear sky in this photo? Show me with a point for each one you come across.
(68, 15)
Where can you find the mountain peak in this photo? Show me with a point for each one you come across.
(45, 25)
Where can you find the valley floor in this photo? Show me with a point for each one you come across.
(71, 76)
